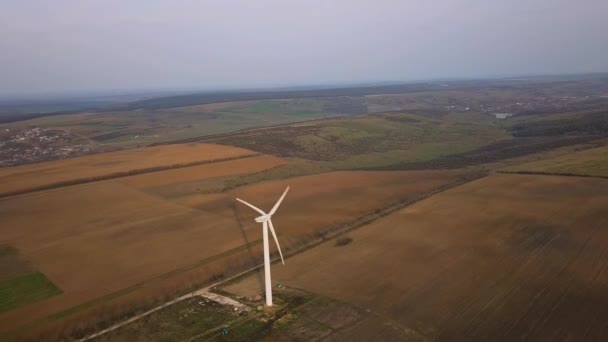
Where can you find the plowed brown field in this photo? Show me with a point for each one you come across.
(96, 240)
(323, 202)
(504, 258)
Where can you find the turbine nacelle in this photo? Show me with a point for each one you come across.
(263, 218)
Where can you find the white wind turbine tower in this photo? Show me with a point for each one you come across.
(266, 221)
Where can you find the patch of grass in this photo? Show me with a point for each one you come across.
(590, 162)
(250, 330)
(306, 114)
(202, 320)
(355, 138)
(589, 123)
(417, 153)
(490, 153)
(255, 107)
(292, 106)
(265, 106)
(355, 143)
(296, 316)
(177, 322)
(24, 290)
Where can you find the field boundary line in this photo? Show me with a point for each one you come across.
(542, 173)
(121, 174)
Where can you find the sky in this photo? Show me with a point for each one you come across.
(63, 46)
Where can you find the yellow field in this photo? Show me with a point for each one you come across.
(504, 258)
(105, 165)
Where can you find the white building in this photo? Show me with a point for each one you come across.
(502, 115)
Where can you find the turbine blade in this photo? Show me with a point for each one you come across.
(274, 235)
(251, 206)
(276, 206)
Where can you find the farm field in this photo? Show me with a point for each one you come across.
(26, 178)
(93, 240)
(588, 162)
(506, 257)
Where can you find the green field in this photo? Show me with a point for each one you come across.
(24, 290)
(20, 284)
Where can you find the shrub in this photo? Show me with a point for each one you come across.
(343, 241)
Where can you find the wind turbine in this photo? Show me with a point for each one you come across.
(266, 222)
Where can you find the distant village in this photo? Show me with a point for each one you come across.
(31, 145)
(534, 105)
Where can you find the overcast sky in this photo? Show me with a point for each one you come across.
(80, 45)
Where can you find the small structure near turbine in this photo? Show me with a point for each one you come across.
(266, 222)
